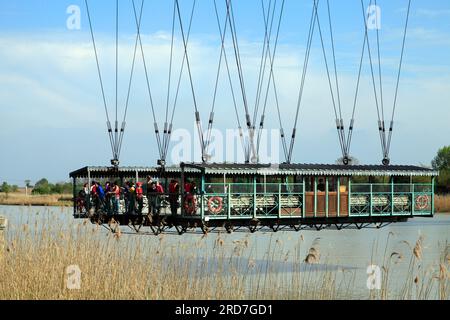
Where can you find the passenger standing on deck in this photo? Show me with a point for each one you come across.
(152, 195)
(116, 198)
(140, 197)
(190, 201)
(174, 192)
(126, 195)
(132, 198)
(87, 197)
(159, 196)
(187, 186)
(148, 192)
(108, 197)
(101, 196)
(94, 196)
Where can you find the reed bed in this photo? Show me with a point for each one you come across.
(442, 203)
(35, 257)
(20, 199)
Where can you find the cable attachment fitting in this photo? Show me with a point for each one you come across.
(386, 161)
(346, 160)
(162, 163)
(115, 163)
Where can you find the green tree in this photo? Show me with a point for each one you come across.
(442, 163)
(42, 187)
(6, 188)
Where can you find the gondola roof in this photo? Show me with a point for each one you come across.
(263, 169)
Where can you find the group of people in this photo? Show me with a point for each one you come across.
(107, 197)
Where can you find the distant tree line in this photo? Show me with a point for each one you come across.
(442, 163)
(6, 188)
(43, 187)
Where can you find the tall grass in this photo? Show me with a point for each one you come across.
(20, 199)
(442, 203)
(34, 259)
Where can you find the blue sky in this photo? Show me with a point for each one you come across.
(51, 114)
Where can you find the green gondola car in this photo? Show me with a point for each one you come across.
(234, 196)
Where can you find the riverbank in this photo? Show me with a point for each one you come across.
(442, 203)
(20, 199)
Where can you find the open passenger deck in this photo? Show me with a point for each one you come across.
(256, 197)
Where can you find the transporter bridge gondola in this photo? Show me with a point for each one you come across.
(232, 197)
(251, 195)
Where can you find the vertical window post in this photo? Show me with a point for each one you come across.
(326, 196)
(392, 196)
(254, 197)
(315, 197)
(279, 201)
(75, 197)
(338, 197)
(350, 196)
(304, 198)
(433, 182)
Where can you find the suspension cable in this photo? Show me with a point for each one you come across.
(223, 35)
(166, 124)
(272, 81)
(265, 53)
(216, 86)
(175, 102)
(381, 86)
(391, 129)
(380, 123)
(111, 139)
(197, 113)
(147, 78)
(340, 121)
(251, 147)
(330, 83)
(312, 25)
(116, 129)
(122, 131)
(355, 101)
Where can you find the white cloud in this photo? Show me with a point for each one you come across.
(432, 14)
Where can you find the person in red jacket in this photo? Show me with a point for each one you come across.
(140, 197)
(159, 188)
(174, 192)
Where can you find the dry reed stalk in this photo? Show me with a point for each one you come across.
(20, 199)
(313, 256)
(442, 203)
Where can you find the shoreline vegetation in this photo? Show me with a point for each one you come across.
(21, 199)
(442, 203)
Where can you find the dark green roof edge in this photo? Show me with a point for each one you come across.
(267, 169)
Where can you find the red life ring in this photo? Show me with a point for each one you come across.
(422, 202)
(190, 204)
(215, 205)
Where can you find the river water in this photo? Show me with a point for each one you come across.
(348, 249)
